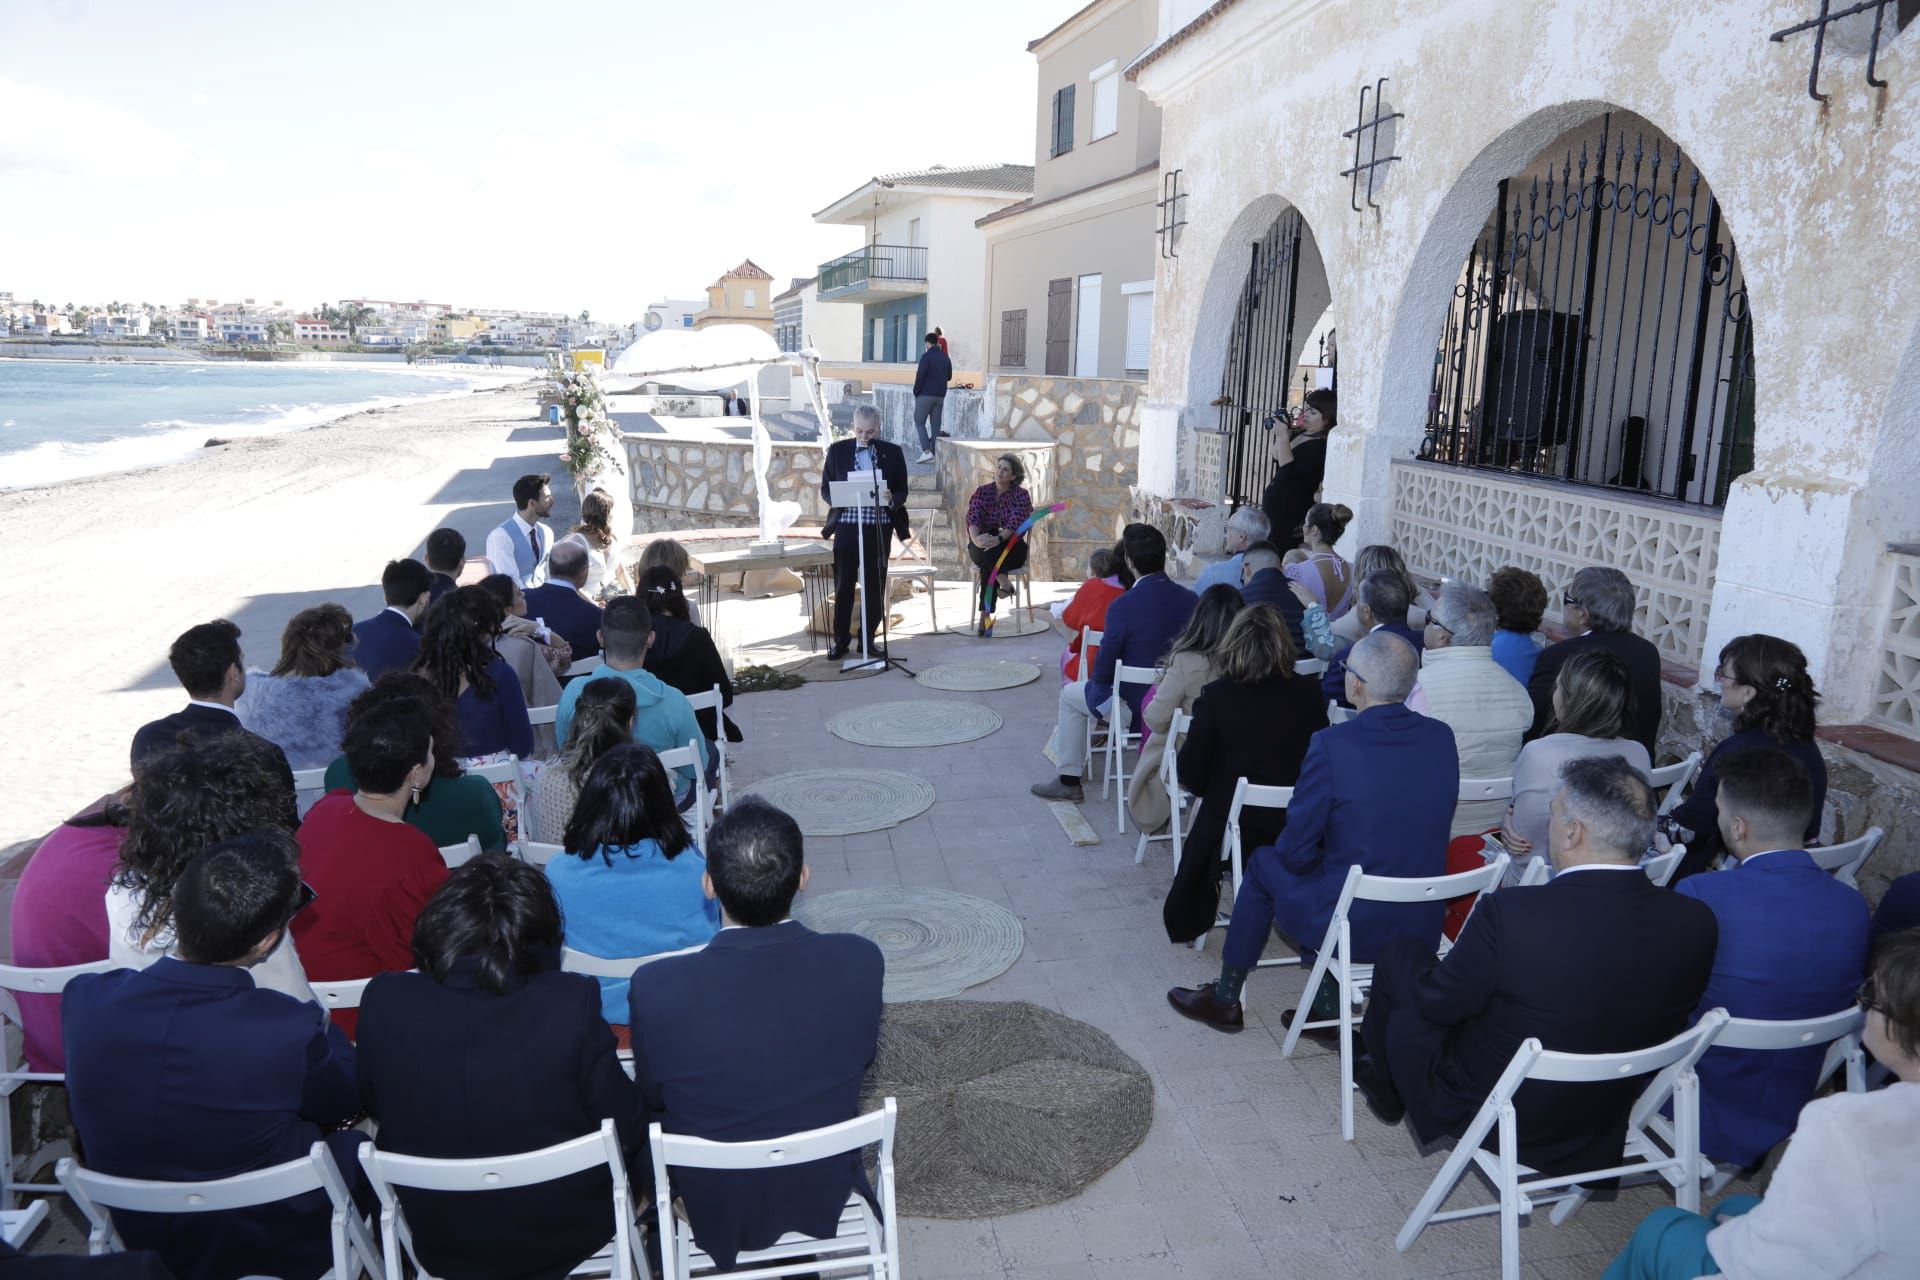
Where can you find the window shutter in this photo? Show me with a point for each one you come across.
(1106, 105)
(1139, 330)
(1063, 120)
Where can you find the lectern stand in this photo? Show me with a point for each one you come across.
(849, 495)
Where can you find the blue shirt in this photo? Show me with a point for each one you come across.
(640, 905)
(663, 721)
(1220, 571)
(498, 722)
(1516, 652)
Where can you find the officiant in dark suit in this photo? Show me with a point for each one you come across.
(860, 534)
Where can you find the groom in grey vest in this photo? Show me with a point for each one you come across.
(519, 547)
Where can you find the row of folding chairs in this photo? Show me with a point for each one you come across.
(866, 1240)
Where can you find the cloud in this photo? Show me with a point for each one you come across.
(45, 131)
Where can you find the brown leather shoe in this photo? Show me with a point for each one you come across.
(1328, 1036)
(1200, 1004)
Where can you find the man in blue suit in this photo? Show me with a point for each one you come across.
(186, 1071)
(1267, 584)
(389, 639)
(1376, 792)
(1382, 606)
(767, 1031)
(1140, 625)
(560, 605)
(1793, 944)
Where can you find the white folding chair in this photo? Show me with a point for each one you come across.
(689, 757)
(537, 716)
(1846, 860)
(1839, 1032)
(1522, 1189)
(1337, 714)
(572, 961)
(711, 701)
(582, 667)
(1121, 734)
(1089, 640)
(1310, 667)
(308, 786)
(1661, 866)
(1176, 797)
(866, 1241)
(38, 982)
(340, 995)
(1538, 872)
(1246, 795)
(1674, 778)
(460, 854)
(97, 1194)
(539, 853)
(620, 1258)
(507, 771)
(910, 570)
(1355, 980)
(16, 1225)
(1473, 789)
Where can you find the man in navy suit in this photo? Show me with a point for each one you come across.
(186, 1071)
(558, 601)
(389, 639)
(767, 1031)
(1597, 609)
(1382, 606)
(1597, 960)
(1793, 944)
(446, 554)
(1376, 792)
(1265, 583)
(207, 662)
(1140, 625)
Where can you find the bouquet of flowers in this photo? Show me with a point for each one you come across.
(578, 392)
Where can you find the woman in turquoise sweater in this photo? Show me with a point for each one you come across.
(629, 883)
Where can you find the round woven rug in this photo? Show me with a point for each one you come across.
(924, 722)
(1009, 624)
(937, 942)
(845, 802)
(978, 677)
(1003, 1106)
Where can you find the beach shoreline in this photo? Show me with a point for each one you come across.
(107, 569)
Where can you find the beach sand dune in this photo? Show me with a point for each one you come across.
(100, 574)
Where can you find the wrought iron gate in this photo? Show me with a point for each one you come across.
(1254, 385)
(1599, 332)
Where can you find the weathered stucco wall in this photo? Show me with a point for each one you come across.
(1822, 203)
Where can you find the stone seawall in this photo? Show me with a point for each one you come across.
(684, 481)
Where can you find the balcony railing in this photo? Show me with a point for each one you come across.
(875, 263)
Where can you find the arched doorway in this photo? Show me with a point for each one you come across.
(1266, 371)
(1599, 331)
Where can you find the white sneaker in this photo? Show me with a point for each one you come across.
(926, 455)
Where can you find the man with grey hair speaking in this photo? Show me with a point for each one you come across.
(1245, 527)
(1597, 960)
(1461, 685)
(1378, 792)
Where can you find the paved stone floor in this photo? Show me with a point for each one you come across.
(1244, 1173)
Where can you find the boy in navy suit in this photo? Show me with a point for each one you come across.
(767, 1031)
(186, 1071)
(389, 639)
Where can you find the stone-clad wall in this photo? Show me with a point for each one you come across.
(965, 465)
(680, 482)
(1093, 425)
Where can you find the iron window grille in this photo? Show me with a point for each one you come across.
(1366, 133)
(1599, 333)
(1173, 215)
(1904, 12)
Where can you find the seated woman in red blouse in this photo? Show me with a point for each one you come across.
(993, 513)
(1107, 580)
(371, 871)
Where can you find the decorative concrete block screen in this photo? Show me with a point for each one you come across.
(1457, 523)
(1094, 424)
(1896, 686)
(681, 483)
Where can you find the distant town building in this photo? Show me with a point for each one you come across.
(743, 295)
(126, 325)
(924, 260)
(1070, 269)
(189, 328)
(801, 320)
(669, 313)
(319, 333)
(451, 328)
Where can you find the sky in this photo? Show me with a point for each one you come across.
(558, 156)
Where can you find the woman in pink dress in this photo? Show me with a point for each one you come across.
(1316, 566)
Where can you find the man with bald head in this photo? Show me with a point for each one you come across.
(558, 603)
(1376, 792)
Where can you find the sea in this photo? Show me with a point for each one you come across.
(60, 419)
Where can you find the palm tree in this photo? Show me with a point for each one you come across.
(279, 331)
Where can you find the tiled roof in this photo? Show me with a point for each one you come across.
(1014, 178)
(748, 270)
(1178, 38)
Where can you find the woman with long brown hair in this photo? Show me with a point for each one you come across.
(301, 705)
(456, 653)
(595, 532)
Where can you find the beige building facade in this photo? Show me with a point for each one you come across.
(1070, 270)
(743, 295)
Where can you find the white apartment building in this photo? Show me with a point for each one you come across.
(190, 328)
(130, 325)
(922, 262)
(319, 332)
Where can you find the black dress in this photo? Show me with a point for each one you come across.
(1294, 489)
(684, 657)
(1254, 731)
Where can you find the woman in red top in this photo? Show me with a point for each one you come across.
(1088, 608)
(371, 871)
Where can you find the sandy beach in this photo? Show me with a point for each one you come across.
(102, 573)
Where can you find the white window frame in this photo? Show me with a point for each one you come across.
(1130, 291)
(1086, 324)
(1103, 119)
